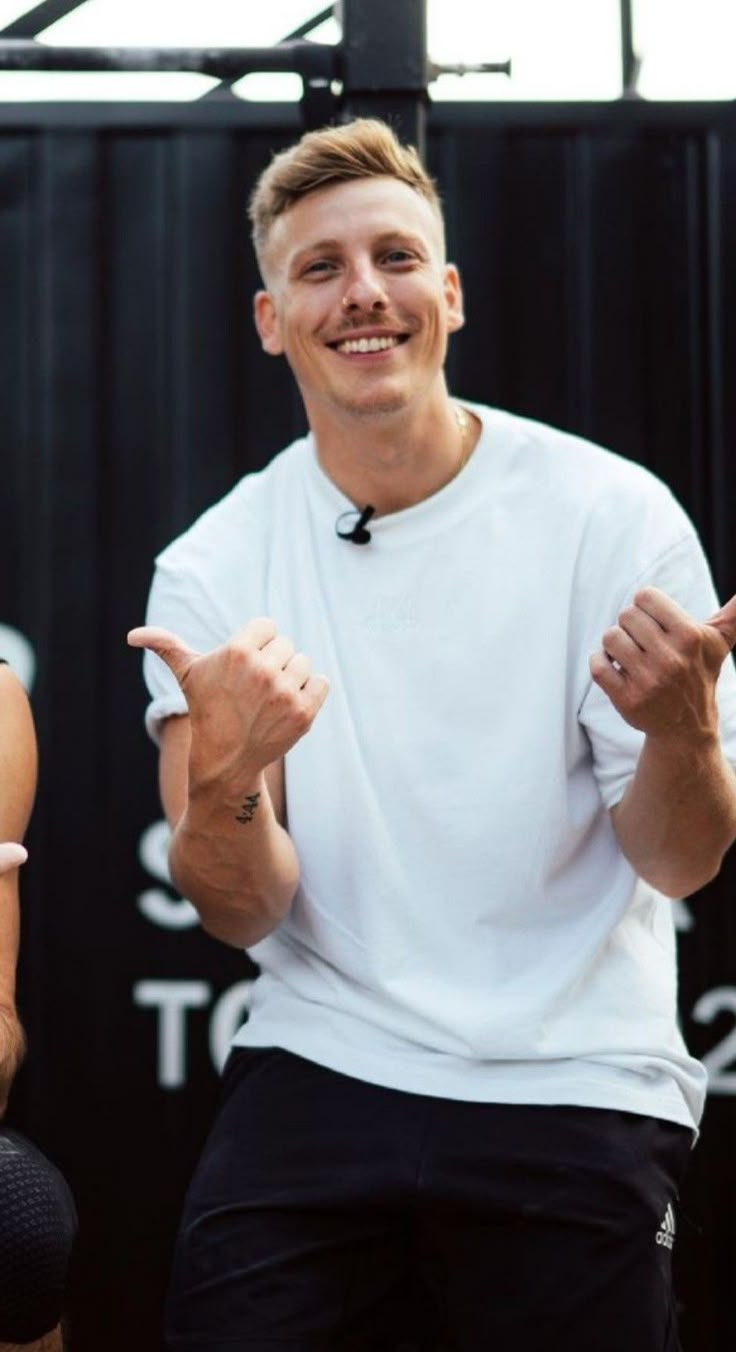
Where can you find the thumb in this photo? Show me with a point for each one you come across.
(169, 647)
(724, 621)
(12, 856)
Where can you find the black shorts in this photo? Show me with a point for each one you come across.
(327, 1213)
(38, 1225)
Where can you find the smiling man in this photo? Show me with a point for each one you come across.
(461, 1107)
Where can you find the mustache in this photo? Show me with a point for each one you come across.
(369, 321)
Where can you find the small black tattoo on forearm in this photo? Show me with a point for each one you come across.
(247, 811)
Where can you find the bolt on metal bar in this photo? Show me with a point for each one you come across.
(463, 68)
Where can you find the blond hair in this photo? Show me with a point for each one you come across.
(364, 148)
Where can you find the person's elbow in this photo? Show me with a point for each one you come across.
(678, 879)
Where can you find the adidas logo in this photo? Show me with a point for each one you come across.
(666, 1231)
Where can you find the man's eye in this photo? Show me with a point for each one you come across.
(320, 265)
(399, 256)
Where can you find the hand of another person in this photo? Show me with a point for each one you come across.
(659, 666)
(249, 700)
(12, 856)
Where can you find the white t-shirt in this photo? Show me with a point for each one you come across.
(466, 925)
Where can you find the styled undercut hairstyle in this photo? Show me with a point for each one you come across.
(364, 148)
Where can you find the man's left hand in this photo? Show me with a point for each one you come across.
(659, 666)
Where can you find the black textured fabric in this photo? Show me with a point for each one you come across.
(38, 1223)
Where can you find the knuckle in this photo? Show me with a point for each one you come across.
(259, 675)
(689, 642)
(281, 693)
(302, 719)
(673, 663)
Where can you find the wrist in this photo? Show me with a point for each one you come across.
(213, 803)
(682, 743)
(226, 784)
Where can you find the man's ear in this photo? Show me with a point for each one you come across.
(454, 299)
(267, 323)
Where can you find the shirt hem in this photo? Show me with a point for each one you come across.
(573, 1083)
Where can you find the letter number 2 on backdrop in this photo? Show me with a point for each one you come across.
(721, 1080)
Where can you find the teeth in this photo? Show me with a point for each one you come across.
(367, 344)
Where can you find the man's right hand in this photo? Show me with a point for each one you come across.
(249, 701)
(12, 856)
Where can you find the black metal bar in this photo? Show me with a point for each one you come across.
(41, 16)
(469, 117)
(630, 62)
(313, 60)
(224, 89)
(385, 71)
(309, 25)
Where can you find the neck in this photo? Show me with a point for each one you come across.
(396, 460)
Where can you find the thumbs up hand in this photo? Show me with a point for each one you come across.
(249, 701)
(659, 666)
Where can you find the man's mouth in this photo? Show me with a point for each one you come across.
(374, 344)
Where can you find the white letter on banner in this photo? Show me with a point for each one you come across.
(156, 904)
(720, 1079)
(229, 1012)
(172, 999)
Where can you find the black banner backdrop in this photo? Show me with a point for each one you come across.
(597, 245)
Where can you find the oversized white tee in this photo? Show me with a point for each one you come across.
(466, 925)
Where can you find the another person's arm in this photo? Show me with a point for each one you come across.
(221, 774)
(677, 816)
(17, 788)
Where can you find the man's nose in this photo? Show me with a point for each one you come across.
(364, 291)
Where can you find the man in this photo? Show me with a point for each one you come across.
(37, 1215)
(462, 1074)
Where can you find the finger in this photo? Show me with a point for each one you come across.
(724, 621)
(612, 681)
(660, 607)
(647, 633)
(299, 669)
(12, 856)
(619, 647)
(278, 652)
(169, 647)
(315, 693)
(257, 632)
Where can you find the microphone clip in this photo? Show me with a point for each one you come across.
(358, 535)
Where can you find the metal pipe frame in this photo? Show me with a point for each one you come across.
(312, 60)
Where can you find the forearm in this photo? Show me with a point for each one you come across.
(12, 1049)
(230, 857)
(677, 817)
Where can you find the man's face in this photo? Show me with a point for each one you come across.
(360, 299)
